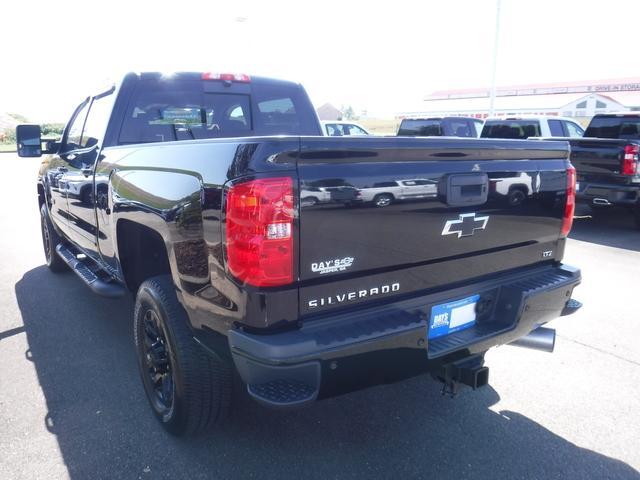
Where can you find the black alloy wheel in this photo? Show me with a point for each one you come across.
(158, 381)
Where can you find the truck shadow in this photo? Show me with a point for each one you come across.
(611, 228)
(82, 349)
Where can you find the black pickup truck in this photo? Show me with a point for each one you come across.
(606, 162)
(194, 207)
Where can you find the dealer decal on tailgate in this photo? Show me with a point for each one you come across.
(454, 316)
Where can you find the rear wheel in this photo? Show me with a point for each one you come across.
(50, 240)
(189, 390)
(308, 201)
(383, 200)
(516, 197)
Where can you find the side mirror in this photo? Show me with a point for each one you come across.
(29, 140)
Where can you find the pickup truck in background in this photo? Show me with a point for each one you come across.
(440, 127)
(606, 162)
(530, 126)
(195, 209)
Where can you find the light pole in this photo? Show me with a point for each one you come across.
(492, 93)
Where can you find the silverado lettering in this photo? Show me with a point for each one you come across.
(339, 298)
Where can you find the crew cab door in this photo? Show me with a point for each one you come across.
(59, 166)
(80, 187)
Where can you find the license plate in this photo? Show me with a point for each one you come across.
(451, 317)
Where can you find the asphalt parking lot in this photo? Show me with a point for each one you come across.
(72, 406)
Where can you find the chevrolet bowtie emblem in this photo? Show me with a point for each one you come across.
(465, 225)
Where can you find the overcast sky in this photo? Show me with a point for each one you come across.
(381, 58)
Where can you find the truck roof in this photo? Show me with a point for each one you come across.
(528, 117)
(442, 118)
(194, 75)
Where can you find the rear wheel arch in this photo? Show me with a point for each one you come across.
(142, 253)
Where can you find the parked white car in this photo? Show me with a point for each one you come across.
(342, 129)
(385, 193)
(530, 126)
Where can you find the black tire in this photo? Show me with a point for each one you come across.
(193, 391)
(309, 201)
(383, 200)
(50, 240)
(516, 197)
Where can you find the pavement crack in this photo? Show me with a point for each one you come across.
(601, 350)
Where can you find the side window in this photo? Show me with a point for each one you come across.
(97, 120)
(334, 130)
(573, 129)
(555, 126)
(74, 134)
(355, 130)
(460, 128)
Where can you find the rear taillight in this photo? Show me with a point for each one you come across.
(259, 231)
(570, 206)
(630, 160)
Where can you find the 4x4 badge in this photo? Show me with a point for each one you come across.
(465, 225)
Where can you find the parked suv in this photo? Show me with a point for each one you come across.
(383, 194)
(534, 126)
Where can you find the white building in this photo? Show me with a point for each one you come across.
(571, 99)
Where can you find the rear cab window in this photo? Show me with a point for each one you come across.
(623, 127)
(460, 128)
(514, 129)
(188, 108)
(420, 128)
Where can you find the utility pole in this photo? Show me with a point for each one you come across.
(492, 94)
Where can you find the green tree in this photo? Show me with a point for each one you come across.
(52, 130)
(348, 113)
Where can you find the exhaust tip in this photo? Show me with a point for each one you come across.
(543, 339)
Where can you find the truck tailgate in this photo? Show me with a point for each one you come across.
(458, 209)
(598, 159)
